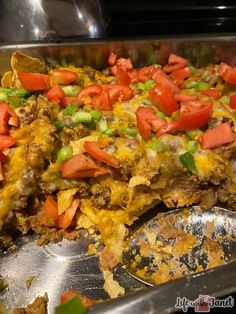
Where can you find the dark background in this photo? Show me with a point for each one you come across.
(146, 17)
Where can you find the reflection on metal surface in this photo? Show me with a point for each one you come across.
(57, 267)
(51, 20)
(180, 243)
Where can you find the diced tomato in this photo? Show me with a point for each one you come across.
(147, 73)
(68, 295)
(229, 76)
(122, 77)
(14, 119)
(1, 173)
(80, 166)
(168, 128)
(66, 218)
(175, 63)
(222, 67)
(95, 151)
(211, 68)
(123, 63)
(173, 59)
(50, 212)
(194, 114)
(63, 77)
(233, 101)
(214, 93)
(133, 74)
(102, 101)
(34, 81)
(163, 98)
(147, 121)
(6, 141)
(71, 293)
(162, 78)
(112, 59)
(4, 118)
(181, 74)
(70, 100)
(219, 135)
(186, 97)
(118, 92)
(3, 157)
(87, 93)
(56, 95)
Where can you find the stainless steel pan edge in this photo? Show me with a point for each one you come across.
(200, 50)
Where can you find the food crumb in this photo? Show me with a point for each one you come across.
(111, 286)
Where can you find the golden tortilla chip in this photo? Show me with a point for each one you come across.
(21, 62)
(7, 80)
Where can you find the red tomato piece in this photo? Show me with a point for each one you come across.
(220, 135)
(211, 68)
(71, 293)
(4, 118)
(181, 74)
(147, 121)
(112, 59)
(175, 63)
(222, 67)
(102, 101)
(133, 74)
(1, 173)
(34, 81)
(214, 93)
(96, 152)
(80, 166)
(163, 98)
(66, 218)
(14, 119)
(194, 114)
(6, 141)
(162, 78)
(86, 94)
(122, 77)
(56, 95)
(118, 92)
(229, 76)
(168, 128)
(146, 73)
(50, 212)
(233, 101)
(63, 77)
(3, 157)
(71, 100)
(186, 97)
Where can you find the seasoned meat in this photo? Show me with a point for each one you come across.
(100, 196)
(39, 306)
(69, 134)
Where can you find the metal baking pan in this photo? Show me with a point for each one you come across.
(58, 267)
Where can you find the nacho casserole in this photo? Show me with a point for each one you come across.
(82, 148)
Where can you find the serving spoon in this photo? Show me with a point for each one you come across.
(181, 242)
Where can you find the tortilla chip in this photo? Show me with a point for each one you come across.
(7, 80)
(21, 62)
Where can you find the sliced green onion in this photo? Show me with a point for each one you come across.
(193, 69)
(149, 84)
(51, 62)
(70, 90)
(157, 145)
(109, 132)
(190, 84)
(188, 162)
(192, 147)
(3, 97)
(141, 86)
(81, 116)
(96, 114)
(70, 110)
(91, 125)
(72, 306)
(130, 132)
(102, 124)
(59, 125)
(15, 102)
(225, 100)
(14, 92)
(201, 86)
(160, 114)
(194, 134)
(64, 62)
(64, 153)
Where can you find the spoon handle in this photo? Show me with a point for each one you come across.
(161, 299)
